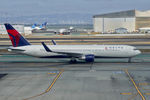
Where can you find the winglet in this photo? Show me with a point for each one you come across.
(46, 48)
(53, 42)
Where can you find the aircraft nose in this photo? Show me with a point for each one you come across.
(138, 52)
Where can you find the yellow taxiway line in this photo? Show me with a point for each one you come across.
(49, 88)
(55, 79)
(139, 92)
(144, 84)
(126, 93)
(133, 96)
(147, 93)
(52, 73)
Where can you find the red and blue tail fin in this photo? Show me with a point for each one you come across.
(16, 38)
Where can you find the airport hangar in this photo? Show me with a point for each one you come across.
(131, 20)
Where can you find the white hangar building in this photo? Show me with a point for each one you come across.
(131, 20)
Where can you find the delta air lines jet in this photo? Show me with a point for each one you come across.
(87, 53)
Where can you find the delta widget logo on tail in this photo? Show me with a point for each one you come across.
(15, 37)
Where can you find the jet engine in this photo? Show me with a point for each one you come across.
(88, 58)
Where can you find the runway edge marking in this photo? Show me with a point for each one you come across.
(139, 92)
(49, 88)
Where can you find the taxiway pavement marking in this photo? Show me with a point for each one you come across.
(133, 96)
(139, 92)
(52, 73)
(144, 84)
(54, 81)
(147, 93)
(49, 88)
(126, 93)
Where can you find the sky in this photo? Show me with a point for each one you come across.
(40, 7)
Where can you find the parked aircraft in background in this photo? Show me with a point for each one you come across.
(87, 53)
(41, 27)
(34, 26)
(144, 29)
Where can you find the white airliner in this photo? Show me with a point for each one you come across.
(41, 27)
(80, 52)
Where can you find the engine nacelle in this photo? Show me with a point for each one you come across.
(88, 58)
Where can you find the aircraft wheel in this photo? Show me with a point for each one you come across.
(129, 61)
(73, 60)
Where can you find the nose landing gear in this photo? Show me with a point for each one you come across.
(129, 60)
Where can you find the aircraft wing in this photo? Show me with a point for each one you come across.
(67, 53)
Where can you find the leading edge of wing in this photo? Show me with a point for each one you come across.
(68, 53)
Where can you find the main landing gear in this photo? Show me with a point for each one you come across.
(73, 60)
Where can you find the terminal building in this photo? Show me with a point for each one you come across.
(130, 20)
